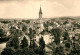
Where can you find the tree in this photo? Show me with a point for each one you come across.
(24, 27)
(2, 33)
(24, 42)
(27, 21)
(5, 22)
(31, 33)
(46, 26)
(57, 34)
(30, 30)
(33, 44)
(18, 52)
(8, 51)
(75, 49)
(13, 42)
(34, 31)
(30, 44)
(28, 51)
(66, 35)
(67, 45)
(65, 22)
(41, 45)
(36, 50)
(15, 32)
(58, 51)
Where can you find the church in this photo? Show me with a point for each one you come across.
(37, 24)
(40, 26)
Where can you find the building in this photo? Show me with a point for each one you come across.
(39, 23)
(36, 25)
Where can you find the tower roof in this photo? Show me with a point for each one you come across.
(40, 11)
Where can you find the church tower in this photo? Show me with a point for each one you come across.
(40, 13)
(39, 25)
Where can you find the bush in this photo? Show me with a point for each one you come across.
(8, 51)
(67, 45)
(13, 42)
(2, 33)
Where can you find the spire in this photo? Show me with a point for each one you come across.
(40, 11)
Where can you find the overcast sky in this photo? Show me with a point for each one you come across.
(30, 8)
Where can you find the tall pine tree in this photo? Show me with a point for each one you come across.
(24, 42)
(41, 45)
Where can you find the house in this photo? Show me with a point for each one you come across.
(71, 34)
(77, 31)
(47, 38)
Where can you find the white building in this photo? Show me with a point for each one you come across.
(47, 38)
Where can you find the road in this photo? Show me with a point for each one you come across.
(2, 46)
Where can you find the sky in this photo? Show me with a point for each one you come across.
(30, 8)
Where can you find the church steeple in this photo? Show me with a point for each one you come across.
(40, 13)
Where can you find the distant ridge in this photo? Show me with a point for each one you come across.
(74, 17)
